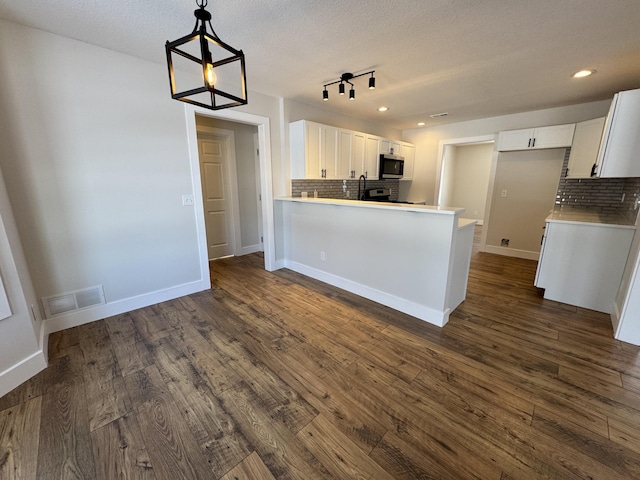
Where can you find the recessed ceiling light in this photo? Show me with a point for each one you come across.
(421, 124)
(383, 109)
(583, 73)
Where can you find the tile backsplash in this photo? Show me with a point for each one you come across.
(345, 189)
(602, 195)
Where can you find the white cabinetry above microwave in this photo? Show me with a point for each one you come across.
(323, 152)
(556, 136)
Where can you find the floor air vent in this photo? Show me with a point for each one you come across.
(68, 302)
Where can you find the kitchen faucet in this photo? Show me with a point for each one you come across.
(364, 187)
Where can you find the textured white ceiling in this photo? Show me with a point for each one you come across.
(471, 58)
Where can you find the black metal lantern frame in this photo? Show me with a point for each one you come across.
(208, 95)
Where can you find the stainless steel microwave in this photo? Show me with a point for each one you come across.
(391, 166)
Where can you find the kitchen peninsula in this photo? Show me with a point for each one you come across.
(412, 258)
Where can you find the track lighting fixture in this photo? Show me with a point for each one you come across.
(347, 78)
(214, 69)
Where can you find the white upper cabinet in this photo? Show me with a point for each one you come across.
(371, 157)
(556, 136)
(314, 150)
(323, 152)
(408, 151)
(618, 156)
(345, 154)
(584, 150)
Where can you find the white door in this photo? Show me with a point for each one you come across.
(216, 194)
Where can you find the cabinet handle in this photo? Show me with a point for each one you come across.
(529, 144)
(534, 143)
(594, 169)
(366, 174)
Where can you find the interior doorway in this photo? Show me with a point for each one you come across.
(236, 203)
(464, 182)
(262, 124)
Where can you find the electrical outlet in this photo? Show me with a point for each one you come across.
(323, 257)
(187, 200)
(503, 194)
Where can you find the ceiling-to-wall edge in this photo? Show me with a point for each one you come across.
(427, 139)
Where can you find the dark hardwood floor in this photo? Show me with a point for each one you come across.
(277, 376)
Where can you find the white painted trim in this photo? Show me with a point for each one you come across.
(251, 249)
(492, 175)
(429, 315)
(88, 315)
(20, 372)
(511, 252)
(489, 203)
(453, 142)
(266, 190)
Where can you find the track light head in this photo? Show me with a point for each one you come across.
(347, 78)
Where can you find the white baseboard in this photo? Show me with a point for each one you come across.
(278, 264)
(87, 315)
(510, 252)
(22, 371)
(435, 317)
(251, 249)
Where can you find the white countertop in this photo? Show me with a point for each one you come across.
(409, 207)
(575, 215)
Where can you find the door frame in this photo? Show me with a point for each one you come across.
(454, 142)
(266, 188)
(232, 179)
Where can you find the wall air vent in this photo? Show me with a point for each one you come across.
(438, 115)
(77, 300)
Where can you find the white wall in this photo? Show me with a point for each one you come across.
(468, 178)
(23, 352)
(427, 139)
(95, 156)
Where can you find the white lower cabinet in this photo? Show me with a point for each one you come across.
(581, 264)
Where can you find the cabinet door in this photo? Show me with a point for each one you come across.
(409, 153)
(395, 148)
(384, 145)
(329, 152)
(582, 263)
(618, 156)
(371, 157)
(584, 148)
(345, 138)
(358, 142)
(312, 162)
(556, 136)
(515, 140)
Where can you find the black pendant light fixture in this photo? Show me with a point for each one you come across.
(206, 65)
(346, 78)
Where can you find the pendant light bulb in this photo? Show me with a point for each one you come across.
(210, 75)
(341, 88)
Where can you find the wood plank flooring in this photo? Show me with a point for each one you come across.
(277, 376)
